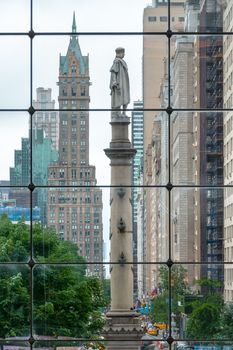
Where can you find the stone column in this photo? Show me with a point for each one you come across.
(122, 321)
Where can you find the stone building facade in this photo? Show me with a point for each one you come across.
(182, 155)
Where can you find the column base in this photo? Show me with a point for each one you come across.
(122, 331)
(123, 345)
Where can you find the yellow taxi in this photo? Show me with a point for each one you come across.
(152, 331)
(161, 325)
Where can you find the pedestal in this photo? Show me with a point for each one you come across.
(123, 333)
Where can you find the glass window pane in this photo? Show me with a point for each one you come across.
(197, 224)
(15, 148)
(15, 16)
(125, 17)
(153, 238)
(15, 72)
(15, 302)
(46, 68)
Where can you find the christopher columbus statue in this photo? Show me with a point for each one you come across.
(119, 83)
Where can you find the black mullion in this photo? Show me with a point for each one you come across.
(31, 14)
(180, 33)
(117, 263)
(31, 272)
(125, 186)
(169, 109)
(61, 342)
(128, 109)
(169, 71)
(169, 171)
(169, 15)
(169, 302)
(30, 108)
(169, 262)
(31, 190)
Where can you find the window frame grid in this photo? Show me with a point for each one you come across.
(169, 110)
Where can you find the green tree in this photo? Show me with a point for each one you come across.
(209, 286)
(226, 321)
(107, 290)
(65, 301)
(179, 282)
(14, 241)
(14, 304)
(204, 321)
(179, 287)
(159, 308)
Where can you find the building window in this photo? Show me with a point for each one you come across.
(83, 90)
(73, 91)
(152, 18)
(163, 18)
(74, 68)
(61, 173)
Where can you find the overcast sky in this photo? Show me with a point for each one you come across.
(56, 16)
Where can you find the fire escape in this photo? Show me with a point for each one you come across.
(214, 158)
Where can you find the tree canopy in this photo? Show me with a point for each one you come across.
(179, 287)
(204, 321)
(65, 301)
(226, 321)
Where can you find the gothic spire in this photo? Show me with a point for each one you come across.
(74, 28)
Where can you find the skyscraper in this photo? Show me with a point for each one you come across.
(211, 140)
(75, 211)
(137, 143)
(155, 19)
(155, 54)
(228, 152)
(47, 119)
(181, 155)
(43, 154)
